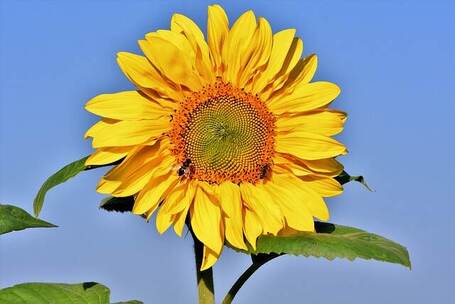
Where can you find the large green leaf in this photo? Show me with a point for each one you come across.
(54, 293)
(57, 178)
(335, 241)
(13, 218)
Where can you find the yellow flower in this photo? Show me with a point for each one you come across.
(229, 133)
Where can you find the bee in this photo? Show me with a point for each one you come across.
(264, 171)
(185, 169)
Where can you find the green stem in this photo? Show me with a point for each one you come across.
(206, 293)
(258, 261)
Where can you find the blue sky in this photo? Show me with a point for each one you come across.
(395, 63)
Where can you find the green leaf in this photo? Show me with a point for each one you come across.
(335, 241)
(13, 218)
(118, 204)
(54, 293)
(57, 178)
(344, 178)
(62, 176)
(46, 293)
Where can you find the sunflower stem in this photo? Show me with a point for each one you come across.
(206, 293)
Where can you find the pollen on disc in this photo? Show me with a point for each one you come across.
(225, 132)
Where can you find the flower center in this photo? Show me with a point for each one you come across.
(223, 133)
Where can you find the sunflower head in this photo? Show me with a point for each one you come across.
(228, 132)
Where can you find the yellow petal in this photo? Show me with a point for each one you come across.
(252, 227)
(325, 122)
(164, 218)
(179, 41)
(163, 221)
(138, 156)
(209, 258)
(259, 200)
(210, 190)
(297, 215)
(236, 46)
(309, 145)
(179, 221)
(142, 73)
(329, 166)
(129, 105)
(293, 56)
(137, 169)
(171, 61)
(217, 30)
(175, 201)
(100, 125)
(300, 75)
(187, 27)
(231, 203)
(324, 186)
(176, 38)
(105, 156)
(312, 200)
(180, 218)
(282, 41)
(181, 202)
(305, 98)
(163, 101)
(293, 166)
(140, 174)
(306, 71)
(151, 195)
(106, 186)
(127, 132)
(206, 221)
(292, 59)
(228, 193)
(259, 53)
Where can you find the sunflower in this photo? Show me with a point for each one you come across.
(228, 134)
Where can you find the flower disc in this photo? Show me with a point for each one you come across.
(226, 134)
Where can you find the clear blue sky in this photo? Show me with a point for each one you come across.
(395, 62)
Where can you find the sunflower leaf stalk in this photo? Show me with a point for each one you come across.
(258, 261)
